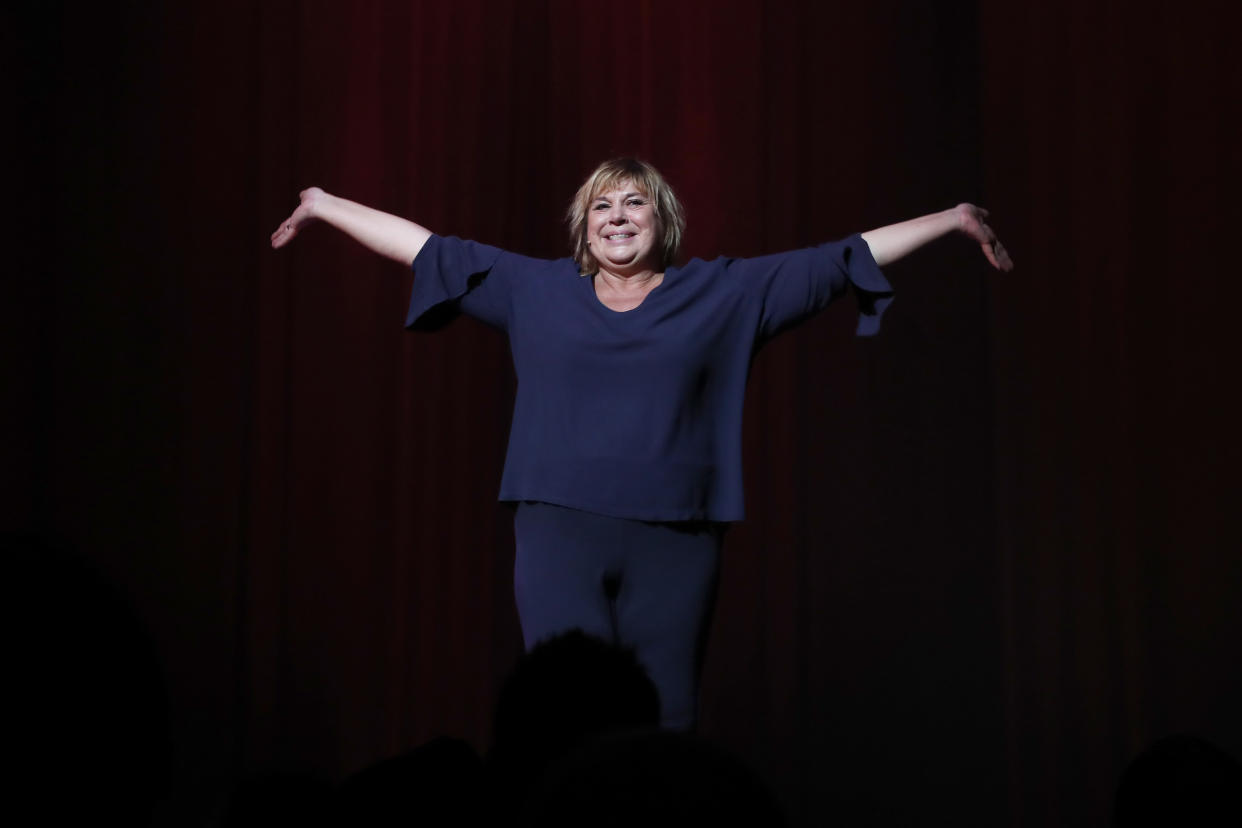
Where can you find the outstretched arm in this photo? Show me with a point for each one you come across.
(888, 244)
(386, 234)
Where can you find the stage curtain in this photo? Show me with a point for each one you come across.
(988, 555)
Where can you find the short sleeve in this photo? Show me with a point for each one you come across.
(796, 285)
(453, 276)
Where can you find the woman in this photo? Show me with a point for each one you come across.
(624, 455)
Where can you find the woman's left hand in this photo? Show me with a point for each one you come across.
(971, 220)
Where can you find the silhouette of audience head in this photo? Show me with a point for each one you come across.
(568, 688)
(279, 798)
(566, 691)
(1180, 780)
(438, 783)
(651, 778)
(91, 730)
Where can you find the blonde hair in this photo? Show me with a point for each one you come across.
(649, 182)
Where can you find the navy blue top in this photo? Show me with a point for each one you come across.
(635, 414)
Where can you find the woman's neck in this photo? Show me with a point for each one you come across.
(624, 282)
(623, 292)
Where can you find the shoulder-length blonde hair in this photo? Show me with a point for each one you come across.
(648, 181)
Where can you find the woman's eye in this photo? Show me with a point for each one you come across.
(601, 206)
(636, 202)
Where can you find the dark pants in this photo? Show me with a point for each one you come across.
(647, 586)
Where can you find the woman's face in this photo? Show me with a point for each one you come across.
(623, 231)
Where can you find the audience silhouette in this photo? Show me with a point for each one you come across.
(1180, 780)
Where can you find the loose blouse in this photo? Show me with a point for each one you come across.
(636, 414)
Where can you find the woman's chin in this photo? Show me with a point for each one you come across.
(630, 262)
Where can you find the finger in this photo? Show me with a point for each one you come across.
(984, 234)
(1006, 262)
(282, 235)
(1001, 256)
(990, 255)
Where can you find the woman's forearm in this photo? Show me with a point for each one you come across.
(890, 243)
(391, 236)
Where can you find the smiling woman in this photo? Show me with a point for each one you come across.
(617, 188)
(625, 453)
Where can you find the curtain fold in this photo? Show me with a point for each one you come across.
(989, 555)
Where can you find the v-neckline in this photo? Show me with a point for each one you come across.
(645, 299)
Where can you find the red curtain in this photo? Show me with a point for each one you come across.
(988, 555)
(1108, 135)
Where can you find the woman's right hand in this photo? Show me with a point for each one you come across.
(972, 221)
(303, 216)
(391, 236)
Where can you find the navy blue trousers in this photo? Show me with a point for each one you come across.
(646, 586)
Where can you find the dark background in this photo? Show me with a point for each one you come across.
(988, 557)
